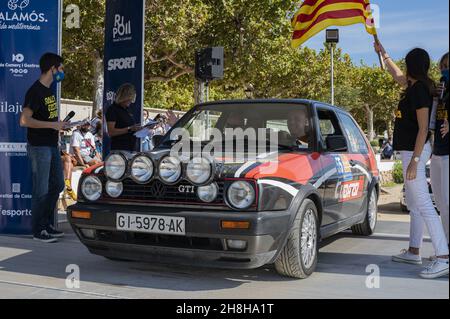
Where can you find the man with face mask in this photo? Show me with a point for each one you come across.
(82, 147)
(40, 117)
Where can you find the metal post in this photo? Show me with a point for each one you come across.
(332, 73)
(208, 118)
(199, 92)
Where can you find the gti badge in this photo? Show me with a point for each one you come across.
(185, 189)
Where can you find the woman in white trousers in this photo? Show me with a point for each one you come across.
(412, 140)
(440, 159)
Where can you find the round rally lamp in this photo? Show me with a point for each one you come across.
(199, 170)
(170, 169)
(114, 189)
(115, 166)
(142, 169)
(241, 195)
(208, 193)
(91, 188)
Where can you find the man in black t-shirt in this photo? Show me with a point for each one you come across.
(40, 117)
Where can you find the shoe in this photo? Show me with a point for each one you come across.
(69, 190)
(436, 269)
(407, 258)
(53, 232)
(44, 237)
(72, 194)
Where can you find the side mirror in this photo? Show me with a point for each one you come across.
(156, 139)
(336, 143)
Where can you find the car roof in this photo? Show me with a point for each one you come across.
(274, 101)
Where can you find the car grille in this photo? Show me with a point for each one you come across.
(160, 240)
(158, 192)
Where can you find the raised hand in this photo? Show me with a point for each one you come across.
(172, 118)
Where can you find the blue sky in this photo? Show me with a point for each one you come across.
(404, 25)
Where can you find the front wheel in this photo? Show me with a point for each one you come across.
(367, 228)
(298, 259)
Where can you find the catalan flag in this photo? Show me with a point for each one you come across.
(317, 15)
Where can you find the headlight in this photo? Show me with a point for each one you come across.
(170, 169)
(91, 188)
(199, 170)
(241, 195)
(114, 189)
(115, 166)
(208, 193)
(142, 169)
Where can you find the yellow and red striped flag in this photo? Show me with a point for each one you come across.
(317, 15)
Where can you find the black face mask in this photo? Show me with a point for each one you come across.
(84, 129)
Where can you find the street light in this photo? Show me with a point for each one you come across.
(332, 37)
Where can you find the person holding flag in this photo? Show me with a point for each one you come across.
(412, 140)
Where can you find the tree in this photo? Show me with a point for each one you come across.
(256, 37)
(83, 52)
(379, 94)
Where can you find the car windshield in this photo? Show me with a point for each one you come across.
(249, 122)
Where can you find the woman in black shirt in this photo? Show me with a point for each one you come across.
(411, 138)
(120, 121)
(440, 160)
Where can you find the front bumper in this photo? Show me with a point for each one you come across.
(205, 242)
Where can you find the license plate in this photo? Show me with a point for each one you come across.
(151, 224)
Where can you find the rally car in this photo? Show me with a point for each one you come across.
(243, 208)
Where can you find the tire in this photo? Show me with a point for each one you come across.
(292, 261)
(367, 228)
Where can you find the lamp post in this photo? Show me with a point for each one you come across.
(332, 37)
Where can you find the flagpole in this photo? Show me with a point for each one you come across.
(332, 73)
(377, 41)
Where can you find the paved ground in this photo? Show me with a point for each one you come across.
(32, 270)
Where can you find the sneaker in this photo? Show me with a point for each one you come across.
(53, 232)
(70, 191)
(72, 194)
(44, 237)
(407, 258)
(436, 269)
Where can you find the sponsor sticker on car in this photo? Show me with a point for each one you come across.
(351, 190)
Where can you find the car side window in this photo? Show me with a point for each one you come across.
(328, 124)
(356, 140)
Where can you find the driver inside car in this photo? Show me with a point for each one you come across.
(235, 120)
(298, 125)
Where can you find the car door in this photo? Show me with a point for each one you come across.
(355, 191)
(336, 170)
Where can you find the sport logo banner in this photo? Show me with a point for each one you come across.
(28, 29)
(124, 54)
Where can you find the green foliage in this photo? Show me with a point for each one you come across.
(256, 37)
(397, 173)
(375, 143)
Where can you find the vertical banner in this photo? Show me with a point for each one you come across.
(28, 29)
(124, 55)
